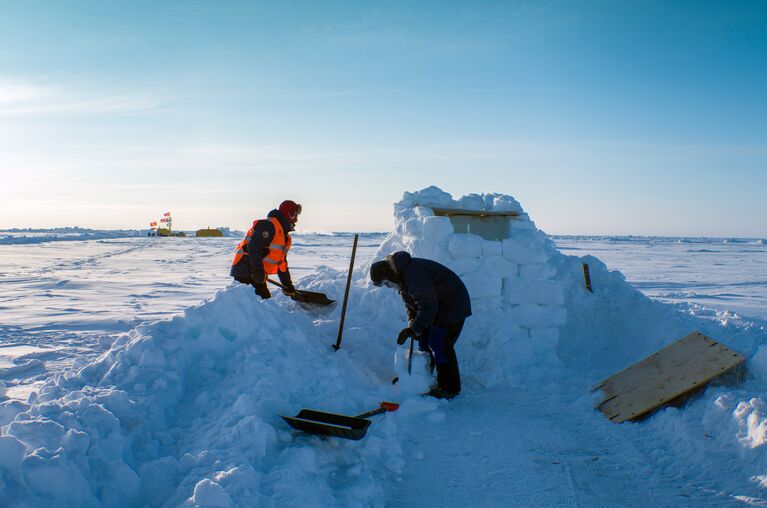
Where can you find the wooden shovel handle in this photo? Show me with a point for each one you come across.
(272, 281)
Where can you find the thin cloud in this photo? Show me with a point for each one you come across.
(98, 106)
(22, 98)
(14, 92)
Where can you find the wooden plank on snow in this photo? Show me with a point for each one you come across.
(666, 376)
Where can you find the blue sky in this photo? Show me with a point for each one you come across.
(600, 117)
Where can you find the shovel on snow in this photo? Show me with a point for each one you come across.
(331, 424)
(305, 296)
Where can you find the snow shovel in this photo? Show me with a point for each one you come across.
(331, 424)
(305, 296)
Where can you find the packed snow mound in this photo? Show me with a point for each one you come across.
(186, 412)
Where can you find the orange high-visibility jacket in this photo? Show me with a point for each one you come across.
(278, 249)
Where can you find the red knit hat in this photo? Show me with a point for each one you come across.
(291, 210)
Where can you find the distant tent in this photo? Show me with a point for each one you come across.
(168, 232)
(209, 232)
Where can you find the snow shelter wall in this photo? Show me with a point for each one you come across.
(517, 290)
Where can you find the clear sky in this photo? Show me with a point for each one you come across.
(605, 117)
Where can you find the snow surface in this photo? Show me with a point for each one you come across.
(185, 411)
(31, 236)
(715, 273)
(78, 295)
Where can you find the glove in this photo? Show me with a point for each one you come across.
(262, 291)
(405, 334)
(289, 289)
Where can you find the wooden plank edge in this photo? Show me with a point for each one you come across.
(451, 212)
(677, 400)
(678, 342)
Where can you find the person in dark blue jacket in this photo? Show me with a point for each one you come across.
(437, 305)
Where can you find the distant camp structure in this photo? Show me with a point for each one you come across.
(209, 232)
(168, 232)
(168, 229)
(164, 231)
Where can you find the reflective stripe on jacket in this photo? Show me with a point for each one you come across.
(275, 259)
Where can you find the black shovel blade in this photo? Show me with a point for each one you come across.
(311, 297)
(329, 424)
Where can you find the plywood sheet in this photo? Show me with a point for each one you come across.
(678, 369)
(452, 212)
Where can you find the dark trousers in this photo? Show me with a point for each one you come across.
(440, 341)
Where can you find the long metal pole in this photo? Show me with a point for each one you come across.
(337, 345)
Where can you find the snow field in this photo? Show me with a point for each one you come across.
(185, 412)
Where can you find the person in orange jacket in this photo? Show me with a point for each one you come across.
(264, 250)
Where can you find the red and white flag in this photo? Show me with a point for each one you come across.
(166, 214)
(153, 224)
(164, 220)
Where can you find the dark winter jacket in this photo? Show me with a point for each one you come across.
(251, 267)
(433, 294)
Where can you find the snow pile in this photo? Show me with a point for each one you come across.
(185, 412)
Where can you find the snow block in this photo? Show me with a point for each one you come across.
(465, 245)
(437, 228)
(430, 196)
(463, 266)
(503, 203)
(403, 213)
(482, 285)
(472, 202)
(547, 335)
(423, 211)
(544, 346)
(520, 250)
(499, 266)
(538, 316)
(492, 248)
(413, 227)
(487, 304)
(545, 292)
(434, 250)
(522, 224)
(537, 271)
